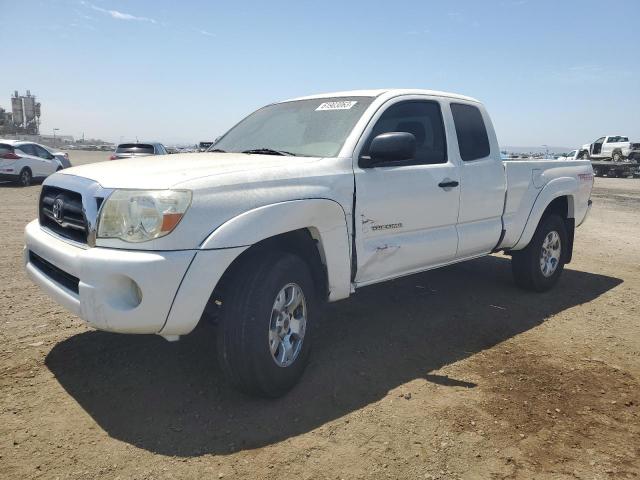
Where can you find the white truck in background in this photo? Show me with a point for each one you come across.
(615, 147)
(612, 155)
(303, 201)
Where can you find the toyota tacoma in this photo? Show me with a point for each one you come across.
(304, 201)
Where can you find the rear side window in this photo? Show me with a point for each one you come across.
(471, 131)
(423, 119)
(4, 148)
(135, 148)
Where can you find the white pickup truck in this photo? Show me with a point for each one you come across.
(303, 201)
(614, 147)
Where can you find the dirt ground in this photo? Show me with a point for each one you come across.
(454, 373)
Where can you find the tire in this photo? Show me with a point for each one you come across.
(527, 264)
(25, 178)
(617, 156)
(248, 328)
(597, 171)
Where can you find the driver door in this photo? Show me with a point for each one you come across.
(405, 216)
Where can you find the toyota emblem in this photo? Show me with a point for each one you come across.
(58, 206)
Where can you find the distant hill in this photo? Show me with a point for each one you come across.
(538, 149)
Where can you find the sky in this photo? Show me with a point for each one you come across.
(559, 73)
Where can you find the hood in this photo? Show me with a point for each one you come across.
(166, 171)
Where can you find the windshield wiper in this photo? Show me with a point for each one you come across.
(216, 150)
(269, 151)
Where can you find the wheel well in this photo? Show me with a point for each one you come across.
(303, 242)
(563, 206)
(26, 168)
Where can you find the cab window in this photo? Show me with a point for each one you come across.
(422, 119)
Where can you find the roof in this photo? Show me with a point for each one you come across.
(391, 92)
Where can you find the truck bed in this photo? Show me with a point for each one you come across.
(527, 179)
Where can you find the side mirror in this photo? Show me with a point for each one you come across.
(389, 148)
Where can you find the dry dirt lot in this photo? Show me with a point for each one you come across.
(450, 374)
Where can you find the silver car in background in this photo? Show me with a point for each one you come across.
(62, 157)
(138, 149)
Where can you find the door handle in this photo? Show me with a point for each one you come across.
(448, 184)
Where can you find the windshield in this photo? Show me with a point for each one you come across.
(315, 128)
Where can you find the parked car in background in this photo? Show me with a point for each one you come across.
(22, 161)
(572, 155)
(63, 157)
(204, 146)
(615, 147)
(137, 149)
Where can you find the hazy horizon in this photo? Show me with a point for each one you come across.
(183, 73)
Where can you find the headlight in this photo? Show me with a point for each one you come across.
(141, 215)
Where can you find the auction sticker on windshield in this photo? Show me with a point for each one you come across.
(344, 105)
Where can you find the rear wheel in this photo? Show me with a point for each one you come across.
(597, 171)
(617, 156)
(539, 266)
(266, 320)
(25, 178)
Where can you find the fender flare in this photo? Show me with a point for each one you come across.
(325, 219)
(559, 187)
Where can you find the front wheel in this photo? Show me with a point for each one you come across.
(266, 320)
(539, 266)
(617, 156)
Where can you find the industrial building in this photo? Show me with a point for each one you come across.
(24, 118)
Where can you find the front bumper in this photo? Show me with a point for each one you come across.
(126, 291)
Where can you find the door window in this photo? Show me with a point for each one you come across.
(42, 153)
(471, 131)
(423, 119)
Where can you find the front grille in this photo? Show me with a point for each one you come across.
(54, 273)
(61, 212)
